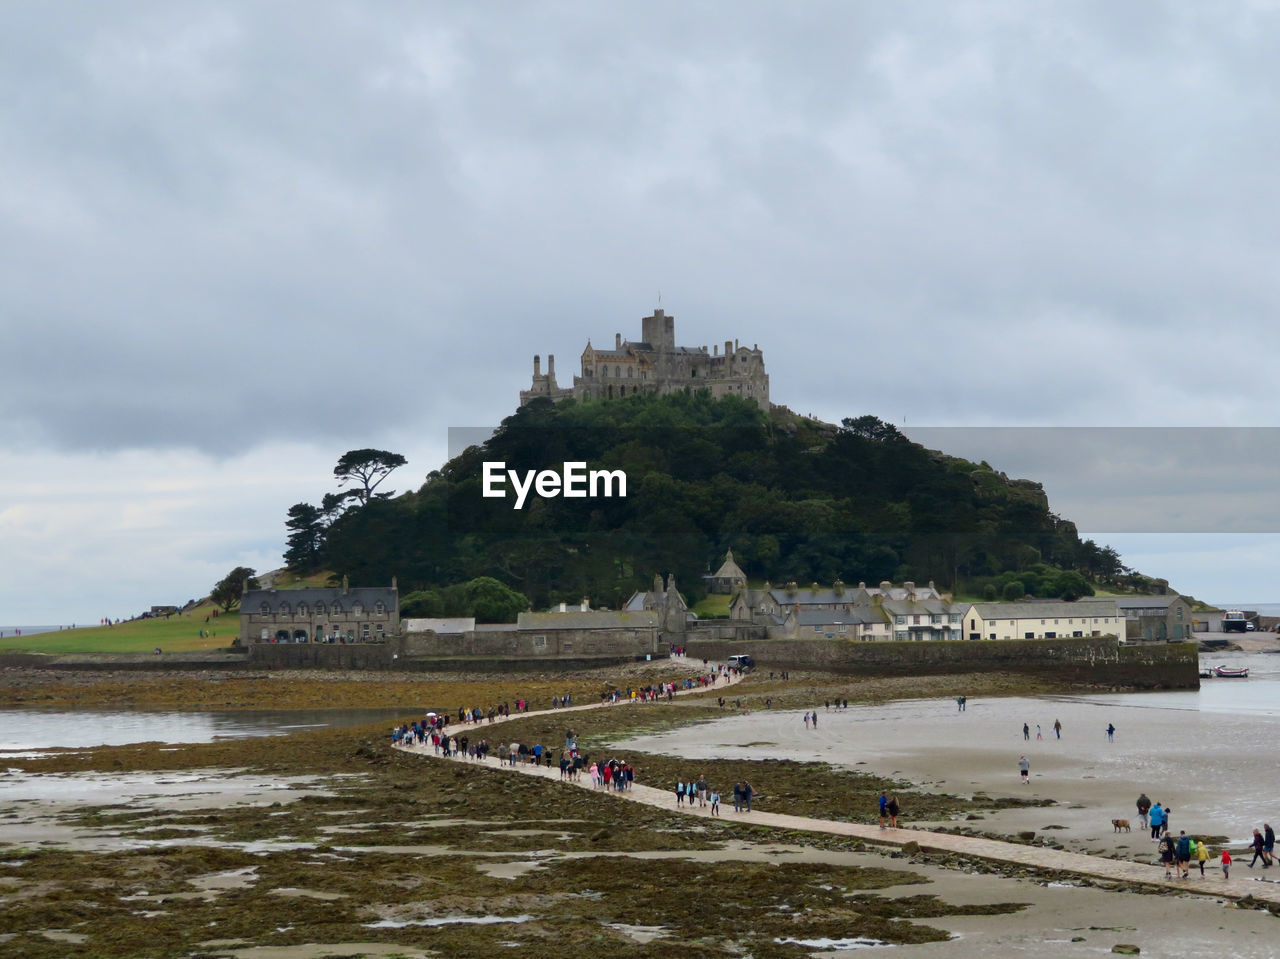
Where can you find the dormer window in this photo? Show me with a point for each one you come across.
(265, 609)
(379, 608)
(319, 609)
(284, 609)
(357, 609)
(302, 609)
(336, 609)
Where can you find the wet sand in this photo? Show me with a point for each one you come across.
(1210, 768)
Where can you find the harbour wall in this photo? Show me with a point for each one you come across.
(1097, 661)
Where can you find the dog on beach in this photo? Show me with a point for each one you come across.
(1120, 825)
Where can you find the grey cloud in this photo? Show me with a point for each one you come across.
(293, 219)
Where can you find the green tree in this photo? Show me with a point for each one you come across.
(228, 590)
(368, 468)
(989, 592)
(306, 536)
(1014, 591)
(493, 602)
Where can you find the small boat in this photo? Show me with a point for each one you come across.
(1228, 672)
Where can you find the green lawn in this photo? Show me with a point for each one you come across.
(178, 633)
(712, 605)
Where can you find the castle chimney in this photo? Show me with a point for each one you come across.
(586, 604)
(735, 346)
(657, 582)
(345, 588)
(885, 585)
(551, 365)
(537, 366)
(728, 347)
(715, 350)
(617, 341)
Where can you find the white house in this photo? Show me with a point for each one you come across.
(1044, 619)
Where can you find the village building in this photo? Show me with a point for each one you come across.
(672, 609)
(1167, 618)
(924, 618)
(728, 579)
(656, 365)
(1044, 619)
(773, 603)
(865, 624)
(320, 614)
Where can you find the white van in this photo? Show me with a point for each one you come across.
(741, 661)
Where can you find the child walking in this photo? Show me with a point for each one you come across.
(1226, 864)
(715, 808)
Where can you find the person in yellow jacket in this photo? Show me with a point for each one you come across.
(1202, 855)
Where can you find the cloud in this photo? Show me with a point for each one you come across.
(230, 226)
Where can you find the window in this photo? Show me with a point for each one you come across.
(264, 609)
(630, 372)
(604, 371)
(379, 608)
(617, 371)
(284, 609)
(337, 609)
(539, 642)
(302, 609)
(319, 609)
(935, 620)
(357, 609)
(900, 620)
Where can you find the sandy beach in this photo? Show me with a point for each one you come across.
(1209, 767)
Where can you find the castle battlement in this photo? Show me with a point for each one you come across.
(656, 365)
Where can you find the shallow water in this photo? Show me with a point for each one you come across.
(25, 730)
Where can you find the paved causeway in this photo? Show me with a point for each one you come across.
(1032, 857)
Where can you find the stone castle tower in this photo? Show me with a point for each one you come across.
(657, 365)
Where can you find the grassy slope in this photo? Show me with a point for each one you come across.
(178, 633)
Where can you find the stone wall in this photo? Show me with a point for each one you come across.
(542, 644)
(1095, 661)
(322, 655)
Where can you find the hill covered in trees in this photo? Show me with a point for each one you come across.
(796, 500)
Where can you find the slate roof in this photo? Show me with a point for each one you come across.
(837, 617)
(1047, 609)
(366, 596)
(906, 607)
(1146, 602)
(729, 569)
(446, 626)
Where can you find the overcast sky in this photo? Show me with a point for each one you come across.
(237, 240)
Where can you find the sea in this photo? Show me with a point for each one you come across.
(33, 630)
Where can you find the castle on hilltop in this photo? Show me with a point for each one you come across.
(657, 365)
